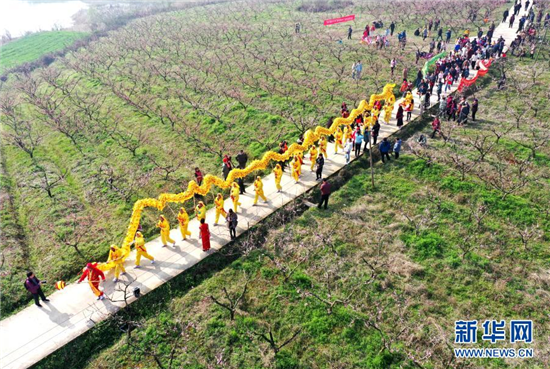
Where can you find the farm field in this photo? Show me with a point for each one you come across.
(456, 229)
(33, 47)
(131, 116)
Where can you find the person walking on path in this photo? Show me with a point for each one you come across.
(392, 28)
(320, 161)
(164, 226)
(347, 150)
(399, 116)
(358, 142)
(325, 194)
(505, 15)
(93, 274)
(393, 63)
(409, 109)
(350, 31)
(385, 148)
(436, 126)
(375, 132)
(313, 153)
(205, 235)
(278, 172)
(139, 243)
(219, 203)
(259, 189)
(232, 220)
(116, 257)
(235, 193)
(353, 70)
(475, 104)
(397, 148)
(183, 219)
(33, 285)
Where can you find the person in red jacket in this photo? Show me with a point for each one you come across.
(198, 176)
(205, 235)
(325, 193)
(32, 284)
(93, 273)
(436, 126)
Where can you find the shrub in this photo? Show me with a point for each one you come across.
(426, 245)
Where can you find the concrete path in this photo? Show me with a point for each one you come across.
(34, 333)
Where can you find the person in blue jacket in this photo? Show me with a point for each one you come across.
(385, 148)
(397, 148)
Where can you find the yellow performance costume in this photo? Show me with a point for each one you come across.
(313, 154)
(219, 207)
(200, 211)
(141, 250)
(278, 171)
(323, 146)
(347, 133)
(338, 140)
(116, 257)
(183, 219)
(235, 192)
(296, 169)
(408, 97)
(259, 188)
(165, 231)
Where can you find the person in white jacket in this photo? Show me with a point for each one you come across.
(347, 149)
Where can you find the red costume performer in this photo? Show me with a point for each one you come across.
(205, 235)
(93, 275)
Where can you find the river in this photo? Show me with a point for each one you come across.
(21, 16)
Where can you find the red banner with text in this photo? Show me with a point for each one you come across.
(347, 18)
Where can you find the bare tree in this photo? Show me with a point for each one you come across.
(232, 301)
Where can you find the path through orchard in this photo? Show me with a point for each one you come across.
(32, 334)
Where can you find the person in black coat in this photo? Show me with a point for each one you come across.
(475, 104)
(242, 158)
(375, 132)
(320, 161)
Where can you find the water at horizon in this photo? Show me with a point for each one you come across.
(21, 16)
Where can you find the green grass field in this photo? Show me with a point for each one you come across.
(33, 47)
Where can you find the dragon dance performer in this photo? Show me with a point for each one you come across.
(141, 250)
(278, 171)
(313, 153)
(200, 211)
(183, 219)
(116, 257)
(296, 168)
(93, 274)
(347, 133)
(300, 156)
(165, 231)
(323, 146)
(259, 188)
(219, 207)
(338, 140)
(235, 192)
